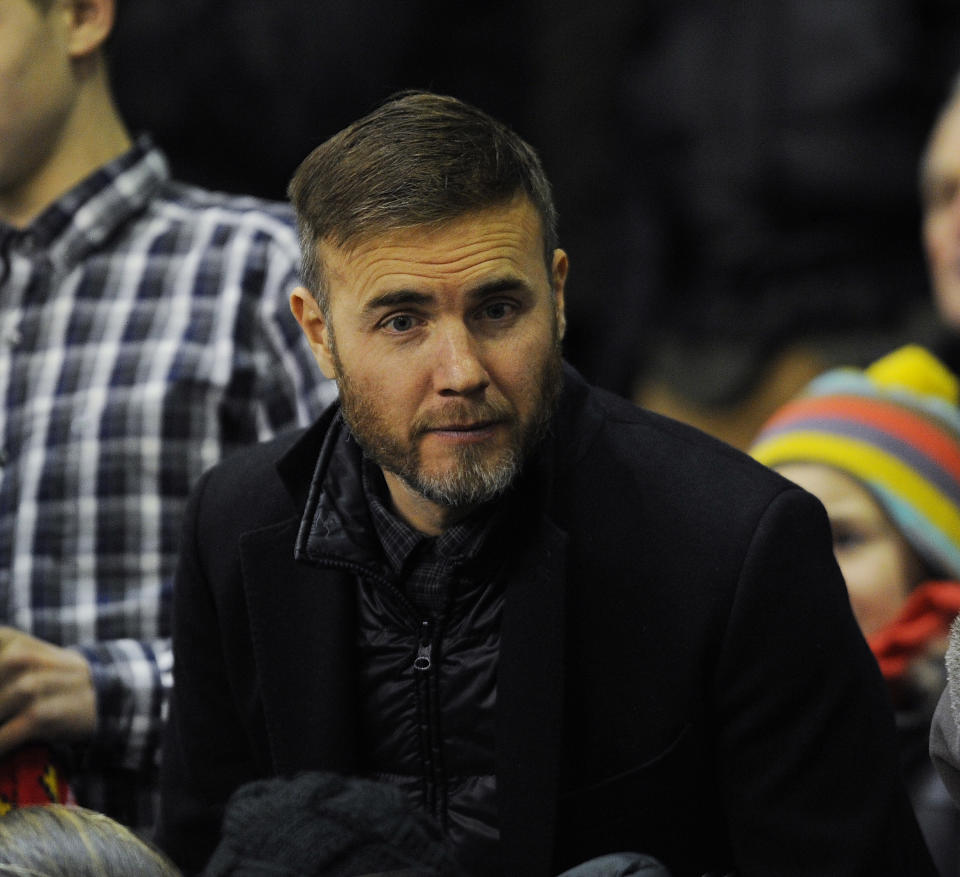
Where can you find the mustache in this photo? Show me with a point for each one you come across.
(461, 414)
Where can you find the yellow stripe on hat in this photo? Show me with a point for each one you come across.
(870, 465)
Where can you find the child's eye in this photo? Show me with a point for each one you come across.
(846, 537)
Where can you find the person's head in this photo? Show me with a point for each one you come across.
(419, 159)
(56, 840)
(939, 189)
(55, 104)
(881, 449)
(433, 294)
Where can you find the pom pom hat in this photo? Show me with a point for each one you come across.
(895, 428)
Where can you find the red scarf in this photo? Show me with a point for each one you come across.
(29, 775)
(925, 617)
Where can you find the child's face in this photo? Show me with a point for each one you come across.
(878, 564)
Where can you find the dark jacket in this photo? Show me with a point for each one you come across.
(427, 674)
(680, 673)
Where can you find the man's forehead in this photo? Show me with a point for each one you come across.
(519, 209)
(473, 241)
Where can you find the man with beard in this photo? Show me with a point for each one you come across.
(563, 626)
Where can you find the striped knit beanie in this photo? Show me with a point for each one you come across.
(895, 428)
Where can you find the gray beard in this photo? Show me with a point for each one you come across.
(476, 478)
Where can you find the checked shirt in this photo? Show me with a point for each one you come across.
(144, 334)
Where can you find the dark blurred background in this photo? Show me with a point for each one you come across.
(736, 181)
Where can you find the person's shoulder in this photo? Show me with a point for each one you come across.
(287, 457)
(240, 204)
(634, 490)
(223, 213)
(604, 426)
(244, 491)
(253, 463)
(252, 466)
(620, 469)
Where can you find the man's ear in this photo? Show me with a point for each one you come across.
(558, 281)
(90, 24)
(311, 319)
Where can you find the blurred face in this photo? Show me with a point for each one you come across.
(445, 342)
(878, 565)
(36, 88)
(940, 186)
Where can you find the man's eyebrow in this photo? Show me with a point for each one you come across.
(502, 284)
(397, 297)
(401, 297)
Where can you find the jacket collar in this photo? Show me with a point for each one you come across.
(336, 524)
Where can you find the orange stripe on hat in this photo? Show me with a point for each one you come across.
(907, 425)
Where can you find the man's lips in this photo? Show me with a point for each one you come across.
(474, 431)
(463, 427)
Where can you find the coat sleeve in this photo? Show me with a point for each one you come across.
(807, 748)
(205, 753)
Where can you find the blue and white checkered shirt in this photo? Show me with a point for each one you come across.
(144, 334)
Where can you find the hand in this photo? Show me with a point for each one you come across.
(46, 692)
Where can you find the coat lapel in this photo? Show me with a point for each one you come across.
(302, 626)
(530, 703)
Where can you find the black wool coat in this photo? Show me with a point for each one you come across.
(680, 671)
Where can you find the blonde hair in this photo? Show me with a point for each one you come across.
(58, 840)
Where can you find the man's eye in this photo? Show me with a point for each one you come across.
(400, 323)
(498, 310)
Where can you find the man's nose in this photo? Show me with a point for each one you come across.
(458, 368)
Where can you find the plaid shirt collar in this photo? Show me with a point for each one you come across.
(457, 545)
(89, 214)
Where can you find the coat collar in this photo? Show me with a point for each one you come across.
(302, 633)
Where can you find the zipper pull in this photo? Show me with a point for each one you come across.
(423, 662)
